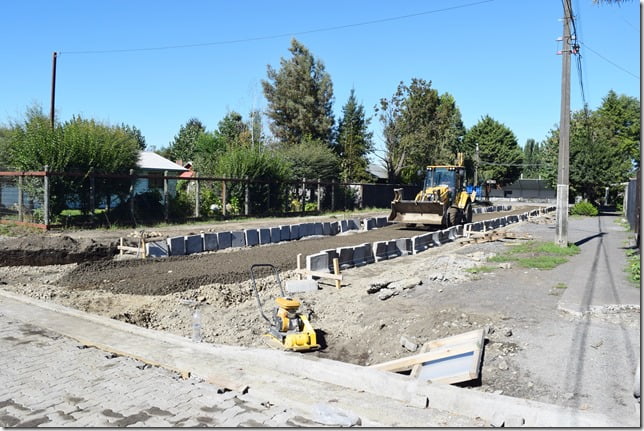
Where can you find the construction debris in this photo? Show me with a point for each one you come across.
(447, 360)
(494, 235)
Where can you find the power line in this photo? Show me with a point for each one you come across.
(611, 62)
(277, 36)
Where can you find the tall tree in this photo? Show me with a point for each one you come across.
(136, 134)
(183, 145)
(532, 159)
(354, 141)
(500, 157)
(300, 98)
(420, 127)
(603, 147)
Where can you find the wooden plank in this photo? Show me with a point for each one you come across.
(404, 364)
(336, 271)
(471, 336)
(337, 277)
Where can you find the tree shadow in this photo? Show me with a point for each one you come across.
(589, 238)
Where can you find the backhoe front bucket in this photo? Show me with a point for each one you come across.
(421, 212)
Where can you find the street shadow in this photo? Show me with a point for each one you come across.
(321, 339)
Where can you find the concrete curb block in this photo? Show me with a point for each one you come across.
(176, 245)
(156, 249)
(318, 262)
(237, 238)
(209, 241)
(404, 245)
(264, 236)
(275, 235)
(379, 250)
(326, 228)
(332, 253)
(335, 228)
(363, 255)
(285, 233)
(295, 232)
(194, 244)
(392, 249)
(345, 254)
(317, 229)
(224, 239)
(252, 237)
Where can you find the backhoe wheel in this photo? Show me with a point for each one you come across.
(452, 217)
(467, 213)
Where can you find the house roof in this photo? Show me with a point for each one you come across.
(377, 170)
(152, 161)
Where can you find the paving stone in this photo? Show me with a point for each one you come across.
(224, 240)
(176, 246)
(264, 236)
(252, 237)
(238, 238)
(209, 241)
(194, 244)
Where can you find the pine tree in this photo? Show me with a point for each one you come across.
(300, 98)
(354, 141)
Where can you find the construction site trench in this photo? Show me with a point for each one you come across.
(353, 325)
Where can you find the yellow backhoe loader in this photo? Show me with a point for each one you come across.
(442, 201)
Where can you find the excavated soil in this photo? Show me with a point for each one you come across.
(357, 323)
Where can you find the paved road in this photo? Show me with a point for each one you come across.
(50, 380)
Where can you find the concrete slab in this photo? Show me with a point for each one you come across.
(264, 235)
(237, 238)
(156, 249)
(176, 246)
(194, 244)
(317, 229)
(335, 228)
(326, 228)
(209, 241)
(252, 237)
(368, 223)
(298, 286)
(224, 240)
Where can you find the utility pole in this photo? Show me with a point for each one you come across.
(561, 238)
(53, 89)
(476, 166)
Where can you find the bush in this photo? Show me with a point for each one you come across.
(584, 208)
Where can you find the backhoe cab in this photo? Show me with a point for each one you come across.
(442, 201)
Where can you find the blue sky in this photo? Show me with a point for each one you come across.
(496, 57)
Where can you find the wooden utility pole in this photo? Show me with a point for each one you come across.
(561, 238)
(53, 89)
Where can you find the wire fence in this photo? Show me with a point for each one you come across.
(52, 199)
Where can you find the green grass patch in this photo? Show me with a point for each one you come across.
(536, 254)
(561, 286)
(479, 269)
(633, 266)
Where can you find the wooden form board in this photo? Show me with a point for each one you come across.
(446, 360)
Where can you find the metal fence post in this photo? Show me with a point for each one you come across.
(247, 197)
(303, 195)
(21, 205)
(166, 200)
(223, 196)
(46, 198)
(319, 196)
(132, 184)
(197, 197)
(92, 190)
(333, 195)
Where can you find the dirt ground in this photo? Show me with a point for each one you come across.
(353, 324)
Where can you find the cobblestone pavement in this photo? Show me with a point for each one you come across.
(51, 381)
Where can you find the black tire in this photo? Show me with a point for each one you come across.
(467, 213)
(452, 217)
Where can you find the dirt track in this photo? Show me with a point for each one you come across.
(181, 273)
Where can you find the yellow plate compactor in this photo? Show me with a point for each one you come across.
(288, 329)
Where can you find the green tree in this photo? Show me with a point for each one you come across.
(312, 160)
(603, 147)
(300, 98)
(5, 141)
(136, 134)
(421, 127)
(532, 159)
(500, 156)
(183, 145)
(79, 145)
(354, 141)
